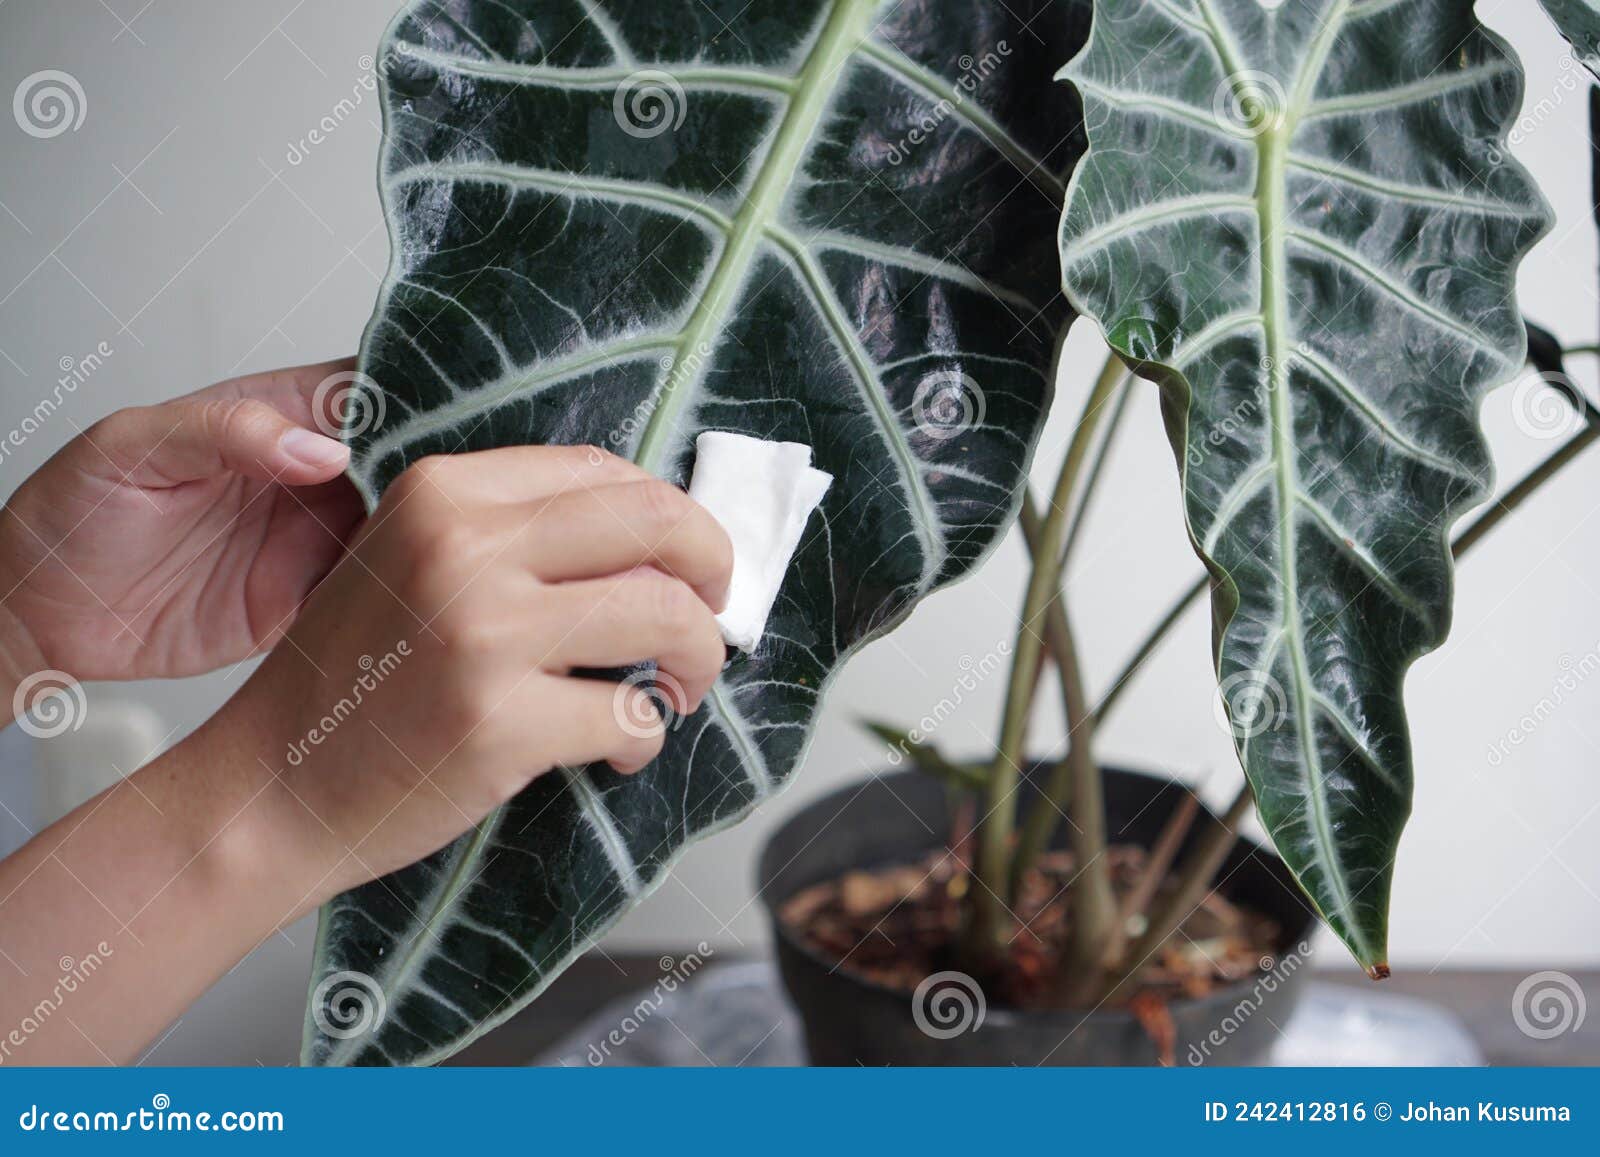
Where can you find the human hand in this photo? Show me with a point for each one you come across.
(429, 679)
(174, 539)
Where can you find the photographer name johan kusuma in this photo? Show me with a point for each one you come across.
(1431, 1111)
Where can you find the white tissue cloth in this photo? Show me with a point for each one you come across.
(763, 494)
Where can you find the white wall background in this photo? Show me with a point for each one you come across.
(173, 227)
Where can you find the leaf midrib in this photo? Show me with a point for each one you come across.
(1272, 151)
(845, 28)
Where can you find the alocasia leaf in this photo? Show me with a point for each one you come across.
(618, 223)
(1302, 221)
(1579, 22)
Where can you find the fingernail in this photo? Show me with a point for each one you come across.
(312, 449)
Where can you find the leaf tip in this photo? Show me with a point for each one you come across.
(1378, 971)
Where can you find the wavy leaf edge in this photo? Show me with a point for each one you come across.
(1177, 390)
(316, 1048)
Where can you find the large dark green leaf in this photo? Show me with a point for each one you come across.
(1302, 222)
(624, 223)
(1579, 22)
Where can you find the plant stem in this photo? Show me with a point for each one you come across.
(993, 896)
(1152, 875)
(1193, 883)
(1074, 790)
(1090, 483)
(1151, 644)
(1525, 487)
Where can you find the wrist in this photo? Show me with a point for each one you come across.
(254, 840)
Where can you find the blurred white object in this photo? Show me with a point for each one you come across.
(1342, 1026)
(736, 1015)
(115, 738)
(763, 494)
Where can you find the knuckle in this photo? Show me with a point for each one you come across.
(235, 421)
(466, 631)
(444, 552)
(424, 478)
(663, 504)
(673, 604)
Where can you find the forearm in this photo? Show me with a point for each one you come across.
(116, 919)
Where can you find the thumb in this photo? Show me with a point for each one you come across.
(187, 440)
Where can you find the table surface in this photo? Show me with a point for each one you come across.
(1480, 998)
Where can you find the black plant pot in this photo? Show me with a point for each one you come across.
(899, 817)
